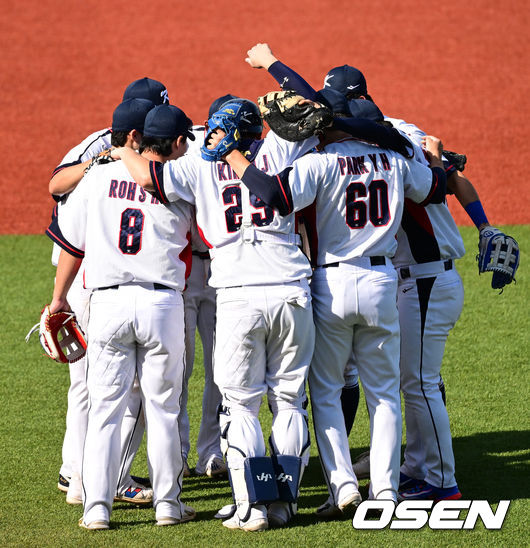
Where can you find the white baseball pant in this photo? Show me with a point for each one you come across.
(263, 345)
(134, 330)
(355, 309)
(429, 307)
(199, 313)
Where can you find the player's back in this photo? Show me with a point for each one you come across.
(126, 233)
(359, 190)
(268, 252)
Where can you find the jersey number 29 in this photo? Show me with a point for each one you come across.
(132, 224)
(234, 214)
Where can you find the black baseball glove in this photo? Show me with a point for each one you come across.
(291, 120)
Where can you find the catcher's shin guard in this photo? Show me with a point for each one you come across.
(252, 484)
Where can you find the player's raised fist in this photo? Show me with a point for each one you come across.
(260, 56)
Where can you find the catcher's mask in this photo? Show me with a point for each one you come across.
(250, 124)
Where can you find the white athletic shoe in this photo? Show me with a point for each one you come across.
(216, 467)
(96, 525)
(257, 520)
(280, 513)
(74, 494)
(188, 513)
(361, 466)
(136, 493)
(330, 510)
(226, 512)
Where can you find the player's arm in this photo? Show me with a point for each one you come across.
(272, 189)
(433, 150)
(459, 185)
(261, 56)
(67, 269)
(138, 166)
(66, 178)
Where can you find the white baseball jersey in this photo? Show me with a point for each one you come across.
(362, 186)
(271, 254)
(118, 224)
(427, 233)
(86, 150)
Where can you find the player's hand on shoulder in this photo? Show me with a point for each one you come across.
(433, 145)
(260, 56)
(116, 152)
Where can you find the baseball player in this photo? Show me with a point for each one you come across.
(430, 300)
(358, 191)
(351, 83)
(132, 247)
(64, 180)
(199, 313)
(264, 329)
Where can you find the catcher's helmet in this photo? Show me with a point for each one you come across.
(219, 102)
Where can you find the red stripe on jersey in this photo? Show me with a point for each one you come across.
(418, 212)
(284, 193)
(65, 245)
(201, 234)
(156, 182)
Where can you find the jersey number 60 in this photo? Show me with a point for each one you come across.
(376, 208)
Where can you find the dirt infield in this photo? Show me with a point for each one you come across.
(457, 69)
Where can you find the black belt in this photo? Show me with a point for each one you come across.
(201, 254)
(405, 272)
(155, 286)
(378, 260)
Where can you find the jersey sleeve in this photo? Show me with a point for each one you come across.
(72, 218)
(175, 180)
(86, 150)
(417, 181)
(304, 180)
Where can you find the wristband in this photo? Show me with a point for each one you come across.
(476, 213)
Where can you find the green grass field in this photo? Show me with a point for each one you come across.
(486, 372)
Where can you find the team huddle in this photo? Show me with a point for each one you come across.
(183, 227)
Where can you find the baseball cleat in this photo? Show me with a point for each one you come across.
(96, 525)
(186, 472)
(408, 482)
(256, 521)
(63, 483)
(329, 510)
(426, 491)
(188, 513)
(135, 494)
(361, 466)
(226, 512)
(216, 467)
(280, 513)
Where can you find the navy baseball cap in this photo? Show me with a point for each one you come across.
(167, 121)
(146, 88)
(362, 108)
(335, 101)
(131, 115)
(346, 79)
(219, 102)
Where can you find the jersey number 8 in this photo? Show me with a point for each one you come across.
(132, 224)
